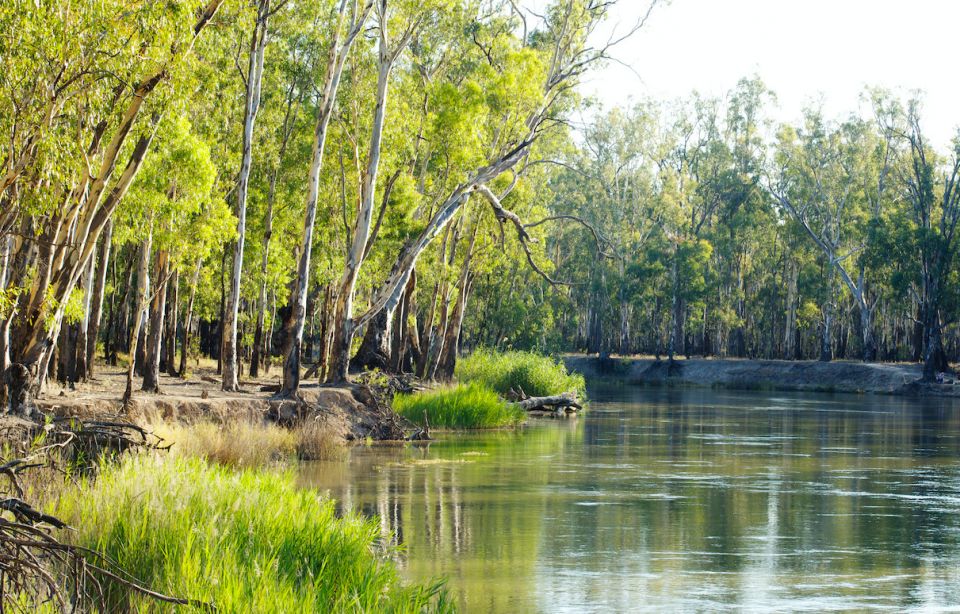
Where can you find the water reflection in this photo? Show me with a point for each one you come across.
(679, 499)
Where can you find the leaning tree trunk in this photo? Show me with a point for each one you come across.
(258, 45)
(98, 291)
(151, 363)
(139, 306)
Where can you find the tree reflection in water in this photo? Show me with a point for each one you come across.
(663, 498)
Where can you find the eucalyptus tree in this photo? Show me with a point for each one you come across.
(551, 59)
(80, 97)
(609, 184)
(832, 181)
(409, 17)
(171, 213)
(931, 186)
(252, 81)
(287, 88)
(349, 20)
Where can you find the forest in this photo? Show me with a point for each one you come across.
(384, 186)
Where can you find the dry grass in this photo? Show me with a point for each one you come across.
(247, 444)
(317, 442)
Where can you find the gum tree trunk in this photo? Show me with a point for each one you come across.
(790, 330)
(151, 362)
(344, 325)
(98, 291)
(339, 50)
(170, 334)
(258, 45)
(451, 342)
(826, 334)
(139, 306)
(188, 321)
(83, 329)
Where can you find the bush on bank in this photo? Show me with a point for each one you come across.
(246, 541)
(537, 375)
(470, 406)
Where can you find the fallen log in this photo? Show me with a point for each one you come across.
(559, 402)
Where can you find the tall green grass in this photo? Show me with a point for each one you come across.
(246, 541)
(537, 375)
(473, 406)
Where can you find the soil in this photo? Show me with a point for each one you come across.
(836, 376)
(349, 411)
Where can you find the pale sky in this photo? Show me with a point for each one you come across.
(804, 50)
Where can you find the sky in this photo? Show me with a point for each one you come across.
(806, 51)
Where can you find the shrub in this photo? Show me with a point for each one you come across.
(537, 375)
(472, 406)
(246, 541)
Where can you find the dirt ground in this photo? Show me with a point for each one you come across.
(836, 376)
(348, 411)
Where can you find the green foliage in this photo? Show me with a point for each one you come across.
(471, 406)
(515, 370)
(246, 541)
(73, 307)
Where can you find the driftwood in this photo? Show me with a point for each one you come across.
(566, 402)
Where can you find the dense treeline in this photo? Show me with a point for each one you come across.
(269, 181)
(289, 185)
(724, 234)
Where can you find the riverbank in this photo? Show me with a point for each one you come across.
(348, 412)
(813, 376)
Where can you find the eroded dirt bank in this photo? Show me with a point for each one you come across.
(350, 412)
(837, 376)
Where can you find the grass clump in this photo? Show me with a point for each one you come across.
(249, 443)
(537, 375)
(245, 541)
(471, 406)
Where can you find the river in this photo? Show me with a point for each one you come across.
(679, 500)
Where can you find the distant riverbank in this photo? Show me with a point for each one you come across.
(837, 376)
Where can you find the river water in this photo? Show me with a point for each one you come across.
(680, 500)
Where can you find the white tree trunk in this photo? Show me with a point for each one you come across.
(344, 325)
(339, 49)
(258, 45)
